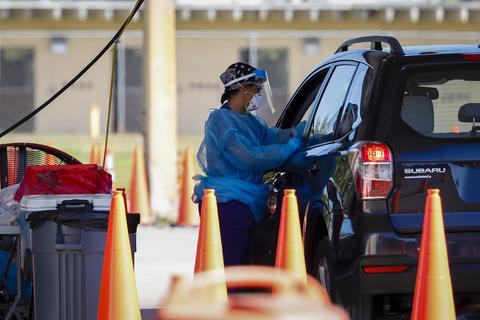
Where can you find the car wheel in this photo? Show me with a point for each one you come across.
(322, 268)
(361, 310)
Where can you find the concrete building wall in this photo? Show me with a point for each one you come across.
(70, 112)
(199, 64)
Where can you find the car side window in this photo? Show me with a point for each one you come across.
(303, 102)
(356, 100)
(330, 106)
(312, 99)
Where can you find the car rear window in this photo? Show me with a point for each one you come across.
(444, 103)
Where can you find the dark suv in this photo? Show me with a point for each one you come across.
(383, 126)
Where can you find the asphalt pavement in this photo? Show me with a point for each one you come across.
(161, 253)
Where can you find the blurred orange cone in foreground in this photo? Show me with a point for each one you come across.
(433, 297)
(290, 255)
(118, 293)
(187, 212)
(298, 299)
(209, 245)
(138, 193)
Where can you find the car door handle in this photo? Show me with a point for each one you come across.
(314, 168)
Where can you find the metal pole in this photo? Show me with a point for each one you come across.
(161, 106)
(252, 50)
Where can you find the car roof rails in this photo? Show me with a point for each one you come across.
(375, 44)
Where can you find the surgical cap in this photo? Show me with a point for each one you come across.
(236, 71)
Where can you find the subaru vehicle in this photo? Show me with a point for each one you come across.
(383, 125)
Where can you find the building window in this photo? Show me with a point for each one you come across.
(130, 96)
(16, 87)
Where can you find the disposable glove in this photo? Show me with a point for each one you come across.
(300, 129)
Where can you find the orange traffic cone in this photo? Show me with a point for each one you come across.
(100, 153)
(94, 153)
(118, 293)
(180, 168)
(124, 195)
(209, 245)
(290, 255)
(138, 193)
(433, 297)
(187, 213)
(50, 159)
(12, 164)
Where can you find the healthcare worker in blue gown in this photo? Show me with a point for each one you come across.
(237, 149)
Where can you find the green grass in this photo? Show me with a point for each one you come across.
(120, 145)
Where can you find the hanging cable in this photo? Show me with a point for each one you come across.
(110, 98)
(115, 38)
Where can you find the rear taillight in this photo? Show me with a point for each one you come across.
(471, 57)
(372, 168)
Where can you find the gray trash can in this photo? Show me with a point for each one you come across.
(67, 245)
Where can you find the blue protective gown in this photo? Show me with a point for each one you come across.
(235, 152)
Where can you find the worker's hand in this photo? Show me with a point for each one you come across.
(294, 143)
(300, 129)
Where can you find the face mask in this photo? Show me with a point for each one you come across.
(256, 102)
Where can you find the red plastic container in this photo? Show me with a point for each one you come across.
(65, 179)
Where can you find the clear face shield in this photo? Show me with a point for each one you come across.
(262, 101)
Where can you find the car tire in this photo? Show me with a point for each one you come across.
(322, 271)
(322, 268)
(361, 310)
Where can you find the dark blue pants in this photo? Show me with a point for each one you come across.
(236, 223)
